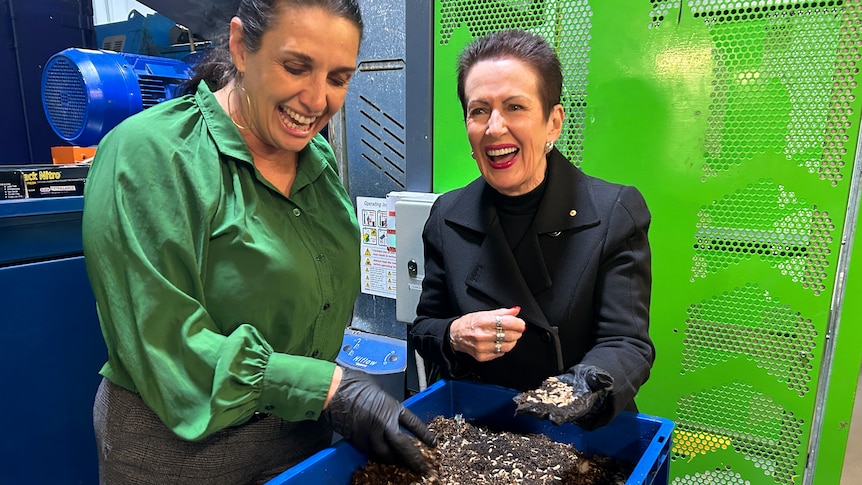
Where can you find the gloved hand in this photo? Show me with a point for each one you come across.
(369, 418)
(568, 397)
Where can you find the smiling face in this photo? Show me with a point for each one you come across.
(296, 80)
(506, 125)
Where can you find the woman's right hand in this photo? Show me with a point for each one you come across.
(478, 333)
(371, 420)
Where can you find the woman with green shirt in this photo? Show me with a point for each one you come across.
(223, 252)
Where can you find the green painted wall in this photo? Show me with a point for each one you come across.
(739, 123)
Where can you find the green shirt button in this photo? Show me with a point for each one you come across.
(296, 212)
(309, 414)
(269, 407)
(320, 257)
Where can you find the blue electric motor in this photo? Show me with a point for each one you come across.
(87, 92)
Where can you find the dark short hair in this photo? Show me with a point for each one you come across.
(217, 68)
(525, 46)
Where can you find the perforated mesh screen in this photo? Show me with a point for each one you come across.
(782, 82)
(765, 221)
(712, 477)
(660, 10)
(737, 415)
(748, 323)
(482, 16)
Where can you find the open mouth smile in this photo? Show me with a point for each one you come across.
(502, 157)
(296, 121)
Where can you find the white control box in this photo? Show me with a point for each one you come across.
(411, 212)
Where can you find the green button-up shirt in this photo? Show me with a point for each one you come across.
(217, 295)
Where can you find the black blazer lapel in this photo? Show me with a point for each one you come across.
(494, 273)
(569, 202)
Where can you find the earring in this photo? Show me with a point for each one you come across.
(237, 84)
(548, 147)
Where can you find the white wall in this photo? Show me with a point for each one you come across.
(108, 11)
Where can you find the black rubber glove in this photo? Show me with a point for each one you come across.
(371, 420)
(567, 397)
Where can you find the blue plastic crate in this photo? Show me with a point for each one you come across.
(636, 438)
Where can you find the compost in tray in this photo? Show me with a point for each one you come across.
(468, 454)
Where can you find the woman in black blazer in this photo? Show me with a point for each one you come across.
(534, 269)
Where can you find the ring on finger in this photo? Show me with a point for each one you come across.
(498, 322)
(498, 347)
(501, 335)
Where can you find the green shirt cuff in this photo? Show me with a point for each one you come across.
(295, 387)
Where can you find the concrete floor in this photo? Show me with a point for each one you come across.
(851, 474)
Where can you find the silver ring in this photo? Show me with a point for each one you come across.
(498, 322)
(501, 335)
(498, 347)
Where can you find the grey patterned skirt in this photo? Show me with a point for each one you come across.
(135, 447)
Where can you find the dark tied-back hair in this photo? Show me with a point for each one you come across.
(217, 68)
(527, 47)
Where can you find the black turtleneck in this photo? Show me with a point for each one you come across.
(517, 212)
(517, 218)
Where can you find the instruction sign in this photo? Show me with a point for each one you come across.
(377, 261)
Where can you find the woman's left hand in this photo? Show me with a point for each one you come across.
(487, 335)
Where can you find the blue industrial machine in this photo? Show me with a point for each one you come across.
(87, 92)
(149, 35)
(142, 61)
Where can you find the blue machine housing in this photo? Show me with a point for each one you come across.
(87, 92)
(149, 35)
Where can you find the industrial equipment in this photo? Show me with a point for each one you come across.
(149, 35)
(87, 92)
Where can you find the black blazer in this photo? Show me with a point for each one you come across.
(592, 304)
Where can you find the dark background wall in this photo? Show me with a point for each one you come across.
(30, 33)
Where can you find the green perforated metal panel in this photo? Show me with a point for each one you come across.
(739, 122)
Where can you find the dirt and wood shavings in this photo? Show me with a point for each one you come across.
(553, 401)
(468, 454)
